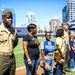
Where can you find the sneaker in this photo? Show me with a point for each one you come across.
(68, 70)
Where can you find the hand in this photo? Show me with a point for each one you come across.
(40, 58)
(63, 55)
(37, 42)
(43, 60)
(30, 63)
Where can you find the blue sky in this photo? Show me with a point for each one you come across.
(43, 9)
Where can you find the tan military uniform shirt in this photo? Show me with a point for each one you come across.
(66, 37)
(8, 38)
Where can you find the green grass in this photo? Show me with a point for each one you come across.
(70, 73)
(18, 51)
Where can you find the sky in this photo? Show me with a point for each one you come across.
(44, 10)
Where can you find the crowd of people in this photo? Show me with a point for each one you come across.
(58, 54)
(57, 57)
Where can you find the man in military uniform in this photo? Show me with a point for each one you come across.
(66, 39)
(8, 41)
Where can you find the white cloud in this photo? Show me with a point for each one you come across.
(46, 19)
(45, 22)
(49, 18)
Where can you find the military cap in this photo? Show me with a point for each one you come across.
(64, 23)
(7, 13)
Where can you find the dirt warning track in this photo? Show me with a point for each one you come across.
(22, 70)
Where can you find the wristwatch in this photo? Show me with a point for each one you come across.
(28, 60)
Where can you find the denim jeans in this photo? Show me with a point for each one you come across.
(51, 63)
(31, 70)
(72, 63)
(58, 69)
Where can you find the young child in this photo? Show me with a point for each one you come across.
(74, 44)
(47, 52)
(72, 50)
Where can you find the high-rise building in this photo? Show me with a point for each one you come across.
(71, 10)
(64, 14)
(54, 25)
(30, 18)
(68, 12)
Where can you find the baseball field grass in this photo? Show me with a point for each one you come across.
(18, 51)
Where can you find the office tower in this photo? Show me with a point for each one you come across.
(64, 14)
(71, 10)
(68, 12)
(54, 25)
(30, 18)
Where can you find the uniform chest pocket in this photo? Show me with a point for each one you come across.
(3, 36)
